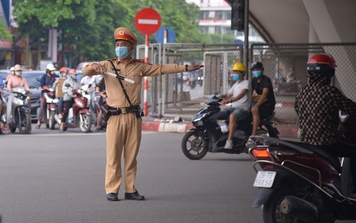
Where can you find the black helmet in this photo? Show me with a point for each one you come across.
(257, 65)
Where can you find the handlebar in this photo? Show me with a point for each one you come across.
(120, 77)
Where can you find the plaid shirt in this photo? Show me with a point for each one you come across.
(318, 105)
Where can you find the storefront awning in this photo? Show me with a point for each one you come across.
(5, 44)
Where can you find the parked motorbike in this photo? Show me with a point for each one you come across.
(49, 107)
(208, 135)
(300, 183)
(21, 111)
(79, 115)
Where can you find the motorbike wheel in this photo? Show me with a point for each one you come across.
(23, 122)
(84, 122)
(271, 209)
(194, 146)
(51, 120)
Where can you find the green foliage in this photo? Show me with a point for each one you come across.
(4, 34)
(86, 27)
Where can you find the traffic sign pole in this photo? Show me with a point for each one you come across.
(147, 21)
(145, 79)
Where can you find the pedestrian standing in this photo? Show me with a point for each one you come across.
(123, 134)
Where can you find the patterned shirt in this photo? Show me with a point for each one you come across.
(317, 105)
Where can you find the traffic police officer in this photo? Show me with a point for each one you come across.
(124, 125)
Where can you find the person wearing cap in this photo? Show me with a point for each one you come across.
(263, 100)
(16, 81)
(123, 133)
(239, 96)
(47, 79)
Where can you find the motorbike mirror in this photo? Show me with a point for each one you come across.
(38, 79)
(67, 85)
(223, 96)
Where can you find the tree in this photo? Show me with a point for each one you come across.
(4, 34)
(86, 27)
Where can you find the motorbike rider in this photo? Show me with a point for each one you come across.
(317, 105)
(100, 88)
(263, 101)
(15, 81)
(240, 97)
(46, 80)
(58, 86)
(2, 104)
(11, 74)
(68, 95)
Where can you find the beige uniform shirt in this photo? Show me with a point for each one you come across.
(134, 71)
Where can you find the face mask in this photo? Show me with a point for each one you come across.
(236, 77)
(122, 52)
(18, 73)
(74, 76)
(257, 74)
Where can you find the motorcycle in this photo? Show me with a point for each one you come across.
(21, 111)
(49, 107)
(79, 115)
(95, 108)
(208, 135)
(300, 183)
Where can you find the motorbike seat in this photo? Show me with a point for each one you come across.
(333, 159)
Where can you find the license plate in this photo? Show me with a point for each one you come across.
(264, 179)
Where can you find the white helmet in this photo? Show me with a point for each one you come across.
(50, 67)
(12, 68)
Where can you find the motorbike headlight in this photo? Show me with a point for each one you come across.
(18, 101)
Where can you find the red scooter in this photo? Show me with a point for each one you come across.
(301, 183)
(49, 107)
(79, 114)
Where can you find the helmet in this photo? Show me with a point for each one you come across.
(321, 63)
(239, 67)
(123, 33)
(72, 71)
(64, 69)
(11, 68)
(257, 65)
(50, 67)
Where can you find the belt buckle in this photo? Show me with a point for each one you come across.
(123, 111)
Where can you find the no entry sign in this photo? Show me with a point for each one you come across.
(147, 21)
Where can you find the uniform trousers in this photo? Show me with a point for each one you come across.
(123, 135)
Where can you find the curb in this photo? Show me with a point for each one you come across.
(285, 131)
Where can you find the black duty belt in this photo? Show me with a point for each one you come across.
(118, 111)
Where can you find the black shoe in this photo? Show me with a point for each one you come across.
(134, 196)
(1, 133)
(112, 197)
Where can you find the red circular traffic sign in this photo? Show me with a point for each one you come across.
(147, 21)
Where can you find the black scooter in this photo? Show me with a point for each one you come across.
(209, 136)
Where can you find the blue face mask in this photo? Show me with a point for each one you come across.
(122, 52)
(236, 77)
(257, 73)
(75, 76)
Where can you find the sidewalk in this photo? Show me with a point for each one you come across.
(167, 125)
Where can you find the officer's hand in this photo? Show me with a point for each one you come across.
(98, 68)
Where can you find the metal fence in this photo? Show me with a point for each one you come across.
(285, 64)
(186, 93)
